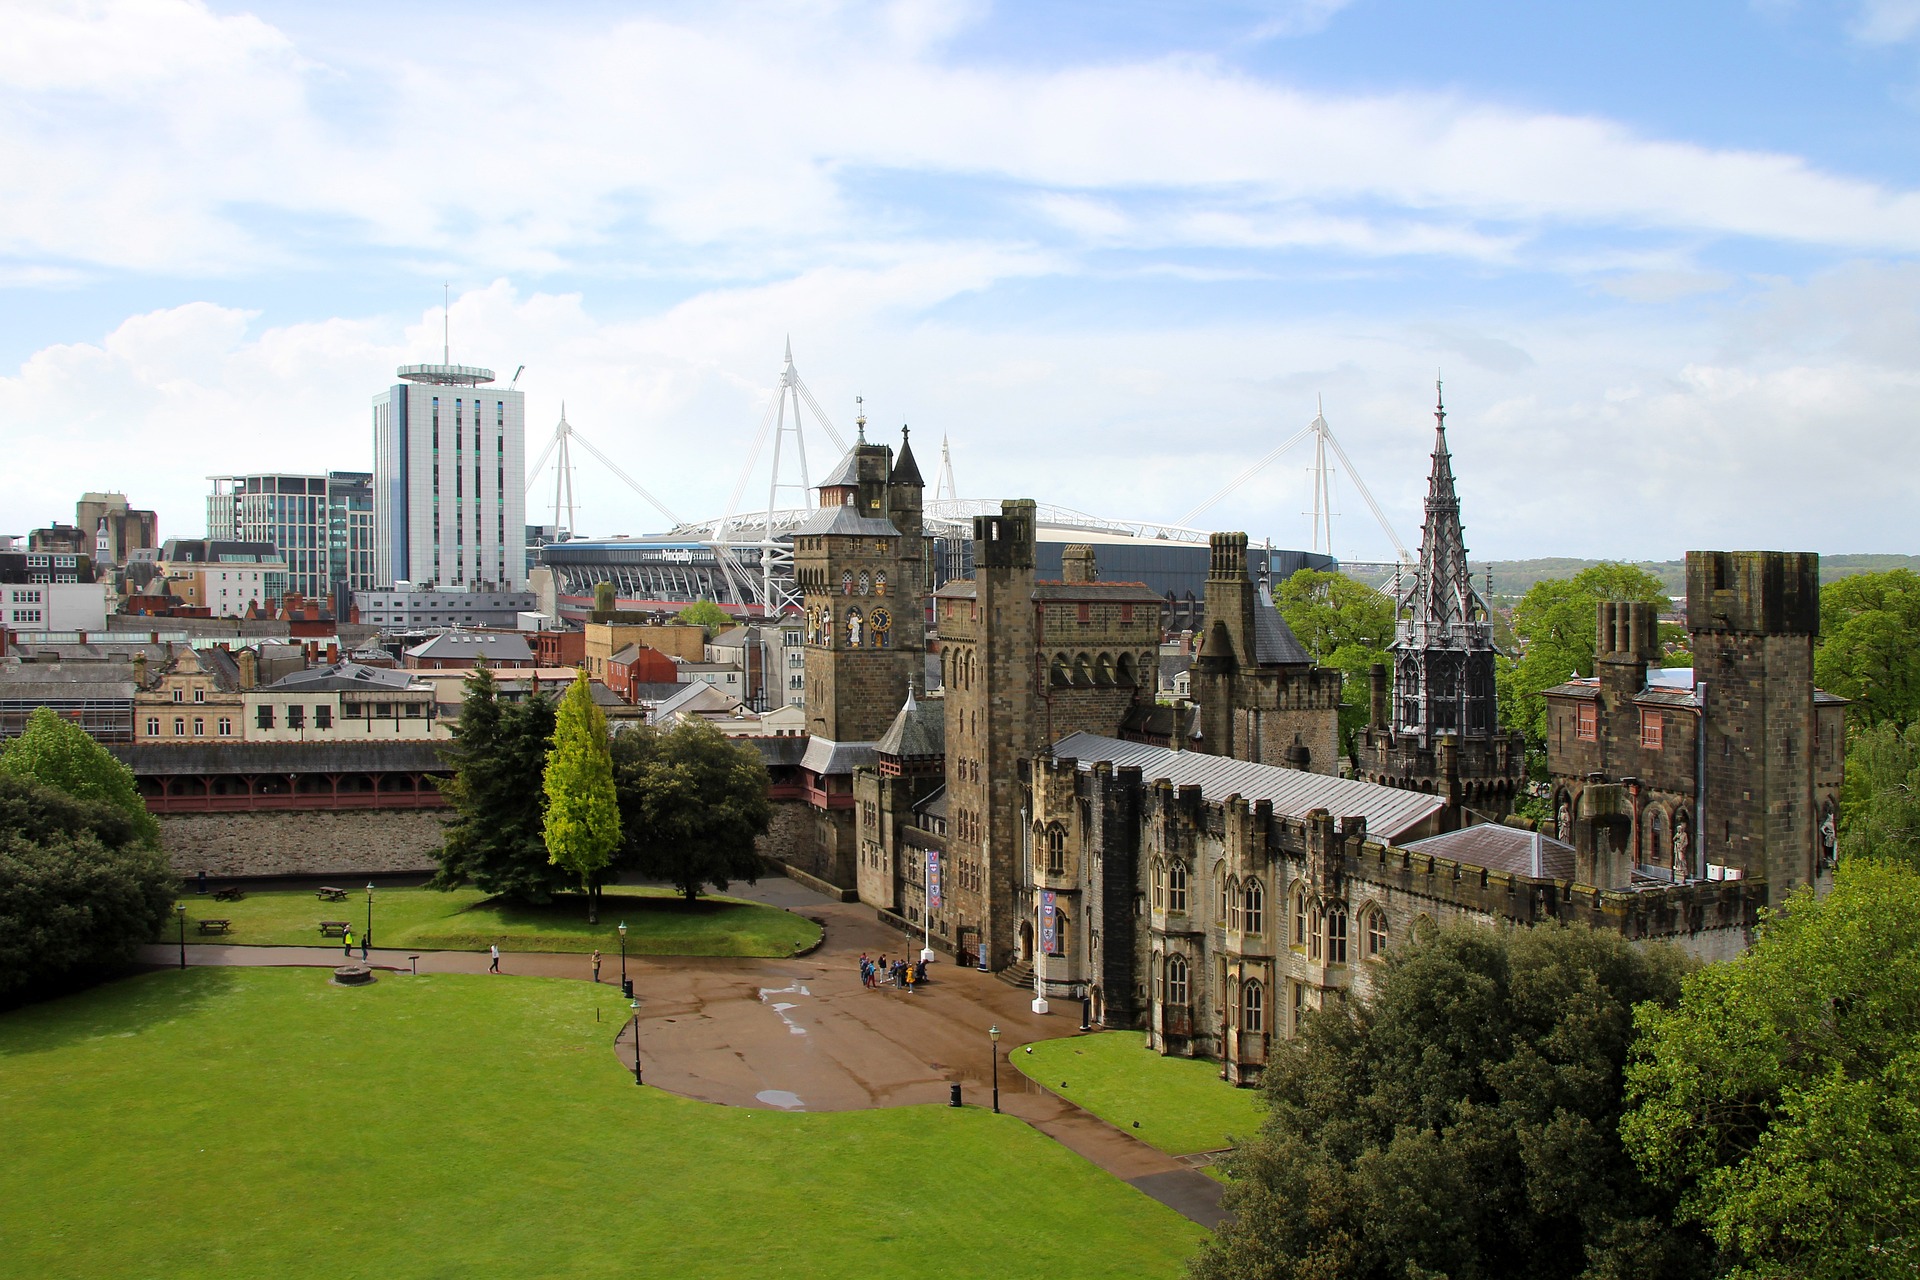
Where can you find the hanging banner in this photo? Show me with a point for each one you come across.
(1049, 929)
(933, 879)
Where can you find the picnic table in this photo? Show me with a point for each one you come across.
(216, 926)
(330, 894)
(232, 893)
(335, 928)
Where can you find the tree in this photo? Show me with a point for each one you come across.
(1344, 624)
(705, 613)
(1880, 797)
(1779, 1103)
(583, 817)
(81, 887)
(60, 754)
(1866, 650)
(1555, 624)
(1464, 1124)
(496, 837)
(692, 804)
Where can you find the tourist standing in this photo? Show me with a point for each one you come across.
(493, 965)
(347, 936)
(596, 966)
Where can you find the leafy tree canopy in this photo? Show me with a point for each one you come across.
(81, 887)
(582, 826)
(692, 804)
(1344, 624)
(705, 613)
(1880, 798)
(1555, 624)
(1866, 650)
(496, 837)
(61, 755)
(1465, 1124)
(1779, 1103)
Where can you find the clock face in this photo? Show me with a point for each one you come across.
(882, 620)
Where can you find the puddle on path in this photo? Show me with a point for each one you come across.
(780, 1008)
(780, 1098)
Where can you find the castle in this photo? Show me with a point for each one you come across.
(1023, 817)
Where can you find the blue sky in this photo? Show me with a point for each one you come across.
(1665, 255)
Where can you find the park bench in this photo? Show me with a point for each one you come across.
(334, 928)
(232, 893)
(330, 895)
(216, 926)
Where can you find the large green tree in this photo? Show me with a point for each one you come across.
(1880, 799)
(1779, 1103)
(81, 888)
(1464, 1124)
(583, 817)
(1344, 624)
(705, 613)
(1867, 650)
(1555, 624)
(496, 836)
(61, 755)
(692, 804)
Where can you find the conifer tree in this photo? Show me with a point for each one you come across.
(495, 839)
(583, 819)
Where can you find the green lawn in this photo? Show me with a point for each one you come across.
(1182, 1104)
(659, 922)
(226, 1122)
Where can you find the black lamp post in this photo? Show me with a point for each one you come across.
(626, 988)
(636, 1041)
(993, 1034)
(366, 939)
(180, 911)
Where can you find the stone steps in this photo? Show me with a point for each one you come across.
(1017, 975)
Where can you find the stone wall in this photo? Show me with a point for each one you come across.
(788, 836)
(305, 843)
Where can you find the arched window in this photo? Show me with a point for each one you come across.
(1376, 932)
(1061, 676)
(1176, 886)
(1103, 669)
(1336, 935)
(879, 584)
(1231, 892)
(1300, 930)
(1655, 851)
(1220, 892)
(1083, 672)
(1159, 877)
(1123, 675)
(1056, 849)
(1316, 933)
(1176, 987)
(1253, 1008)
(1253, 907)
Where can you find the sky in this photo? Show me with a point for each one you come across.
(1666, 257)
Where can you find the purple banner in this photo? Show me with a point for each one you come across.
(1048, 929)
(933, 879)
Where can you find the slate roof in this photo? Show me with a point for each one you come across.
(1273, 640)
(919, 730)
(844, 475)
(844, 519)
(61, 682)
(182, 759)
(467, 646)
(1294, 792)
(342, 677)
(905, 469)
(934, 805)
(825, 756)
(1499, 847)
(692, 696)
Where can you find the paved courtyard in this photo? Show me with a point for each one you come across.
(804, 1035)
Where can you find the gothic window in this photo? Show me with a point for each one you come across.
(1056, 849)
(1253, 1008)
(1123, 674)
(1103, 670)
(1158, 876)
(1376, 932)
(1253, 907)
(866, 585)
(1316, 925)
(846, 583)
(1656, 851)
(1337, 935)
(1061, 677)
(1176, 984)
(879, 584)
(1299, 917)
(1176, 886)
(1230, 894)
(1082, 672)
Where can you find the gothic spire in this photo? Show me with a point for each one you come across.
(1443, 592)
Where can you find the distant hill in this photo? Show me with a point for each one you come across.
(1513, 577)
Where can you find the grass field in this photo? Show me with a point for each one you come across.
(262, 1122)
(1182, 1104)
(658, 922)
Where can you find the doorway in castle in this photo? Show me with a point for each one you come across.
(1026, 942)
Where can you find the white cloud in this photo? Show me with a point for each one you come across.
(1885, 21)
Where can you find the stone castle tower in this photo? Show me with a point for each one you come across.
(1261, 697)
(860, 562)
(1437, 727)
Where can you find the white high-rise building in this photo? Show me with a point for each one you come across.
(449, 480)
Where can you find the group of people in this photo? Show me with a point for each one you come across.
(901, 973)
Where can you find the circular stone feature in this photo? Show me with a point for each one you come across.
(352, 975)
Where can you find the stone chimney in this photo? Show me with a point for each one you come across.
(140, 669)
(1077, 564)
(249, 669)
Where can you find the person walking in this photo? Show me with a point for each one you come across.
(493, 965)
(347, 935)
(596, 966)
(363, 946)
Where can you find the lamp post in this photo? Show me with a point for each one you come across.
(993, 1034)
(180, 912)
(636, 1041)
(626, 988)
(366, 939)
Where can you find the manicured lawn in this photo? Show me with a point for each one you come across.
(261, 1122)
(658, 922)
(1182, 1104)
